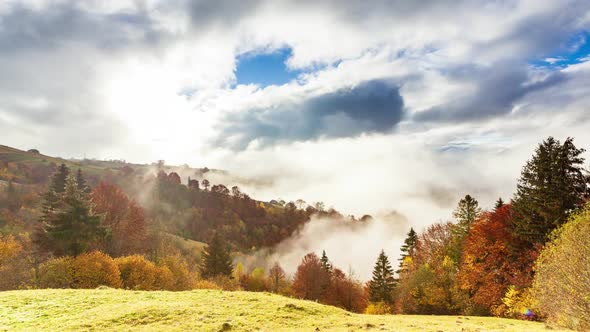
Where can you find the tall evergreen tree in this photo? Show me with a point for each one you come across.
(52, 198)
(466, 212)
(326, 262)
(59, 179)
(407, 249)
(552, 184)
(71, 228)
(499, 203)
(383, 283)
(216, 259)
(82, 186)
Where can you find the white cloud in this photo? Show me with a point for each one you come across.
(146, 80)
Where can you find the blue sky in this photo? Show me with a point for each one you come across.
(264, 69)
(573, 51)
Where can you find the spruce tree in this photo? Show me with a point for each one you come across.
(407, 249)
(71, 228)
(466, 212)
(52, 198)
(499, 203)
(552, 185)
(82, 186)
(216, 259)
(383, 283)
(326, 262)
(59, 179)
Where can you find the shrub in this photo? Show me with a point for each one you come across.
(96, 269)
(15, 272)
(562, 279)
(226, 283)
(378, 308)
(57, 273)
(164, 278)
(518, 304)
(181, 276)
(137, 272)
(206, 284)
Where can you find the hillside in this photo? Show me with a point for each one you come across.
(209, 310)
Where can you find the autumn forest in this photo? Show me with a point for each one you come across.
(79, 224)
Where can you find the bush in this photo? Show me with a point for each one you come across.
(164, 278)
(518, 304)
(137, 272)
(57, 273)
(378, 308)
(226, 283)
(15, 272)
(96, 269)
(206, 284)
(562, 279)
(181, 276)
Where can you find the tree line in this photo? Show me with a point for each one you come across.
(526, 258)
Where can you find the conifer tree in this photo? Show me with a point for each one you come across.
(383, 283)
(52, 198)
(216, 259)
(82, 186)
(326, 262)
(499, 203)
(407, 249)
(71, 228)
(552, 184)
(466, 212)
(59, 179)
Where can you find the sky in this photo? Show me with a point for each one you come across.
(369, 106)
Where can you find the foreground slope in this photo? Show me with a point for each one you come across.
(210, 310)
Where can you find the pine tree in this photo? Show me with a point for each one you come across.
(499, 203)
(71, 228)
(52, 198)
(326, 262)
(466, 212)
(407, 249)
(82, 186)
(552, 184)
(383, 283)
(59, 179)
(216, 259)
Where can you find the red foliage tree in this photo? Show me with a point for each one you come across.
(124, 217)
(493, 261)
(310, 278)
(347, 293)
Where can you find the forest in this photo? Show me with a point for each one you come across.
(81, 224)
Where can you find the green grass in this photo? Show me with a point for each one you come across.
(209, 310)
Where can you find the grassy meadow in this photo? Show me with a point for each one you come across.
(211, 310)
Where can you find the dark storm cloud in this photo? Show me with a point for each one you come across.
(370, 107)
(497, 90)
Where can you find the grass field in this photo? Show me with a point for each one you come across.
(209, 310)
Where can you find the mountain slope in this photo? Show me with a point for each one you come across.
(209, 310)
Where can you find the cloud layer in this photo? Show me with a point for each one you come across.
(399, 105)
